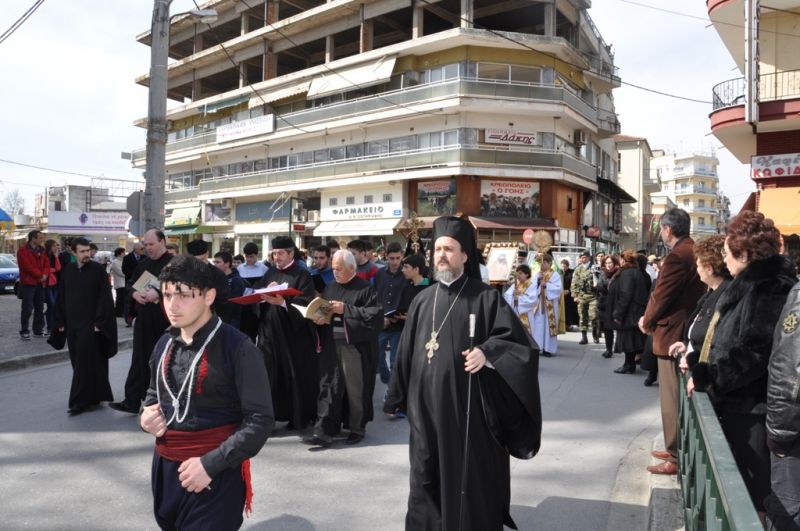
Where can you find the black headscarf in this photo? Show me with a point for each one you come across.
(462, 231)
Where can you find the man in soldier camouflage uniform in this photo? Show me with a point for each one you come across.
(582, 291)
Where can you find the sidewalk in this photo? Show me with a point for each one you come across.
(17, 354)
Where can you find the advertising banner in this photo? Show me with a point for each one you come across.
(765, 166)
(436, 198)
(510, 199)
(88, 222)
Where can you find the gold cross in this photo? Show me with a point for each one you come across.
(432, 346)
(414, 224)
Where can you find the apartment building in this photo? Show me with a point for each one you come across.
(690, 182)
(638, 179)
(756, 116)
(345, 118)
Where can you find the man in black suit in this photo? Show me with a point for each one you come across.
(129, 264)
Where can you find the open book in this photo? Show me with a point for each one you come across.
(147, 280)
(319, 308)
(252, 296)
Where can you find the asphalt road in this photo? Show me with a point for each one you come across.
(91, 472)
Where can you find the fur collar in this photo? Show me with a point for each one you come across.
(770, 275)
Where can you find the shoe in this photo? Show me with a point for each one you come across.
(25, 336)
(547, 354)
(122, 407)
(658, 454)
(74, 411)
(596, 340)
(667, 468)
(626, 369)
(649, 381)
(607, 354)
(583, 340)
(354, 438)
(42, 334)
(313, 440)
(399, 414)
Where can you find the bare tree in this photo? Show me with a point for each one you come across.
(14, 202)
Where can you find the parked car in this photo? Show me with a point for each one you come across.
(10, 256)
(9, 275)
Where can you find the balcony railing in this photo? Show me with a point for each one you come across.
(714, 494)
(415, 159)
(771, 87)
(695, 190)
(608, 121)
(404, 98)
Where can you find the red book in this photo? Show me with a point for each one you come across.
(255, 297)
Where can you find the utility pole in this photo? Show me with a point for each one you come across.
(157, 118)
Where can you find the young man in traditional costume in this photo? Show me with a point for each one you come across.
(208, 406)
(449, 383)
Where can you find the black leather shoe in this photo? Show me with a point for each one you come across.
(649, 381)
(122, 407)
(626, 369)
(74, 411)
(607, 354)
(316, 441)
(354, 438)
(583, 340)
(547, 354)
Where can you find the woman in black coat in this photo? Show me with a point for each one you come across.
(732, 366)
(626, 302)
(610, 266)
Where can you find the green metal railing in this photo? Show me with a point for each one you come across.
(714, 494)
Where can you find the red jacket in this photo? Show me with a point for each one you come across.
(32, 265)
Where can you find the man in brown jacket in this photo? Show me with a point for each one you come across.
(676, 294)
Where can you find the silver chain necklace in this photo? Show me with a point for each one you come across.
(433, 345)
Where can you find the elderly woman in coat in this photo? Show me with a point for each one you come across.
(625, 304)
(733, 361)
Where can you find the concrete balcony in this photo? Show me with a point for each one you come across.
(450, 157)
(695, 190)
(607, 123)
(458, 88)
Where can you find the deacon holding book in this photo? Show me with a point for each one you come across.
(150, 321)
(348, 357)
(448, 388)
(287, 339)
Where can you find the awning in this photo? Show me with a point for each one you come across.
(749, 203)
(224, 104)
(192, 229)
(512, 223)
(782, 205)
(352, 78)
(272, 227)
(183, 216)
(357, 227)
(280, 94)
(609, 187)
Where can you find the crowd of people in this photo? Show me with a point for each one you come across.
(209, 378)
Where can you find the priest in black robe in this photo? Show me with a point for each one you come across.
(288, 340)
(149, 325)
(85, 312)
(348, 359)
(431, 382)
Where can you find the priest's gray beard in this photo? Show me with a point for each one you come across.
(447, 276)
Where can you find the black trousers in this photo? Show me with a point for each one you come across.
(747, 437)
(213, 510)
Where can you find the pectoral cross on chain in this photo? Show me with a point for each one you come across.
(432, 346)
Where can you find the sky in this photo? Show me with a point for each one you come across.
(68, 96)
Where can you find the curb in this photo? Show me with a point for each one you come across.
(665, 510)
(48, 358)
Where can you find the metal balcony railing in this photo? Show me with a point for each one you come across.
(695, 190)
(714, 494)
(390, 162)
(771, 87)
(404, 98)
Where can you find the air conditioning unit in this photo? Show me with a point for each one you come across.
(312, 216)
(580, 137)
(299, 215)
(227, 203)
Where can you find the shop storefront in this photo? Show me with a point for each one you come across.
(369, 212)
(260, 221)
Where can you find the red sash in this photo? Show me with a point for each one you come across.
(181, 445)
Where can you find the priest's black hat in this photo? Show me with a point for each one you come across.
(282, 242)
(462, 231)
(197, 247)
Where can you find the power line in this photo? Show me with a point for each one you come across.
(65, 172)
(20, 21)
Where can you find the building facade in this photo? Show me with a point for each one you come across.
(757, 115)
(343, 119)
(640, 180)
(691, 183)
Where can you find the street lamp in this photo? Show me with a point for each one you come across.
(157, 110)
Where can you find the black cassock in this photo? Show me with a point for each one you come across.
(359, 327)
(84, 302)
(505, 408)
(149, 326)
(288, 342)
